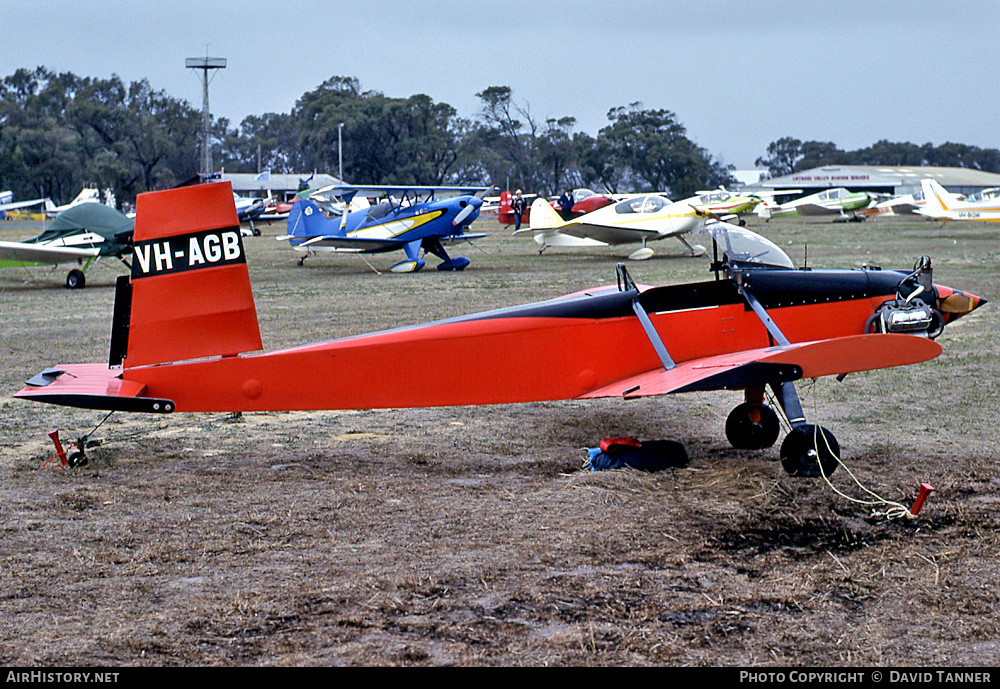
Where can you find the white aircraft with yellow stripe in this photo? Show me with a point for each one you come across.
(637, 219)
(941, 204)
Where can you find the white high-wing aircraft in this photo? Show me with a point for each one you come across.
(941, 204)
(78, 235)
(86, 195)
(7, 203)
(638, 219)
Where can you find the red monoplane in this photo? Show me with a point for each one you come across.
(185, 337)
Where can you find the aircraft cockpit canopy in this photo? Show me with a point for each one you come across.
(714, 197)
(832, 194)
(741, 245)
(651, 203)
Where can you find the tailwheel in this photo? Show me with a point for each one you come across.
(745, 432)
(810, 450)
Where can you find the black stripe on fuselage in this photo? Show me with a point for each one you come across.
(773, 288)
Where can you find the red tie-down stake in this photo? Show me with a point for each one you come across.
(60, 452)
(925, 490)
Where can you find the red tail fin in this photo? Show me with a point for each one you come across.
(190, 288)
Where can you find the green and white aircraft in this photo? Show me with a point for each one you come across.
(839, 202)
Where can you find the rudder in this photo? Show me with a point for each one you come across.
(543, 215)
(306, 220)
(189, 292)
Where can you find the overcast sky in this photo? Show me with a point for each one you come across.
(737, 74)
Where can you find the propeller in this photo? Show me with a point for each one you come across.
(705, 212)
(463, 214)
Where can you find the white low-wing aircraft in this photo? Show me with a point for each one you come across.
(635, 220)
(941, 204)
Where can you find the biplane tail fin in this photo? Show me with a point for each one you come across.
(189, 293)
(306, 220)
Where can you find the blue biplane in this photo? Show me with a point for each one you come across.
(411, 219)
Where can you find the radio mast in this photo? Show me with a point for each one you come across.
(205, 64)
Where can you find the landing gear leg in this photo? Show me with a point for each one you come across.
(808, 450)
(457, 263)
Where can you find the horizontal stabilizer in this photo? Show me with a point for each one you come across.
(92, 386)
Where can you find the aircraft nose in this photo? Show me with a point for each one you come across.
(959, 303)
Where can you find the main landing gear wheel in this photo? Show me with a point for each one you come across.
(807, 448)
(745, 434)
(76, 279)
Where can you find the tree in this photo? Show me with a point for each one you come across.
(655, 150)
(557, 155)
(385, 140)
(783, 155)
(820, 153)
(513, 140)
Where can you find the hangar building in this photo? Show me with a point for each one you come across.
(281, 186)
(884, 179)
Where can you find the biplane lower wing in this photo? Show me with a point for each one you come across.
(740, 370)
(348, 244)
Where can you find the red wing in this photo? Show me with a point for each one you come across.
(773, 364)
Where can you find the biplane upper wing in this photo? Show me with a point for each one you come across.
(16, 253)
(754, 367)
(346, 191)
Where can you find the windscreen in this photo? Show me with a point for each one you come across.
(740, 244)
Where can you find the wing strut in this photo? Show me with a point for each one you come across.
(626, 284)
(787, 396)
(763, 315)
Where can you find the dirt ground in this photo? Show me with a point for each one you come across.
(471, 536)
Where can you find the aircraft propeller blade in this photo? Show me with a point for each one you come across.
(702, 212)
(463, 214)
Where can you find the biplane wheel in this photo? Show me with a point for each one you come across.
(808, 447)
(744, 434)
(76, 279)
